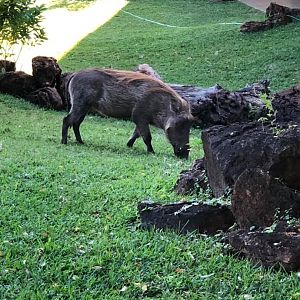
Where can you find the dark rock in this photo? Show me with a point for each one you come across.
(260, 197)
(186, 217)
(269, 249)
(193, 180)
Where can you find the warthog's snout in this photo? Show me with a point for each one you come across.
(182, 152)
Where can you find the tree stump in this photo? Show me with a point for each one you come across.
(46, 71)
(186, 217)
(269, 249)
(287, 105)
(260, 198)
(230, 150)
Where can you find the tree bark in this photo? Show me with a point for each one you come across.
(193, 180)
(230, 150)
(260, 198)
(186, 217)
(270, 249)
(287, 105)
(276, 14)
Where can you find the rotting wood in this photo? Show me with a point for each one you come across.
(276, 14)
(186, 217)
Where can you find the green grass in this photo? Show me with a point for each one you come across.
(68, 213)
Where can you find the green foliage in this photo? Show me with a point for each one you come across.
(19, 25)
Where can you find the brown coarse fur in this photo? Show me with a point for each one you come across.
(129, 95)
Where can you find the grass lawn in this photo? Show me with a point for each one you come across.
(68, 213)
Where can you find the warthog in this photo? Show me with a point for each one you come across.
(129, 95)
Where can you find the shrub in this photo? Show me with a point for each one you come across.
(19, 25)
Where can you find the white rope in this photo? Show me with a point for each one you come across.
(294, 18)
(172, 26)
(151, 21)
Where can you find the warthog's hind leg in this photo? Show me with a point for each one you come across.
(64, 132)
(133, 138)
(72, 120)
(76, 126)
(144, 131)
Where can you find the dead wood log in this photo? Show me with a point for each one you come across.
(287, 105)
(276, 14)
(38, 88)
(260, 197)
(47, 97)
(269, 249)
(18, 84)
(186, 217)
(7, 66)
(230, 150)
(193, 180)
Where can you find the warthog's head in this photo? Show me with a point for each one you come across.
(178, 133)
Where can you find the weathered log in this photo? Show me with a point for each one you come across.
(46, 71)
(18, 84)
(276, 14)
(275, 10)
(260, 198)
(230, 150)
(193, 180)
(269, 249)
(38, 88)
(186, 217)
(217, 106)
(287, 105)
(7, 66)
(47, 97)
